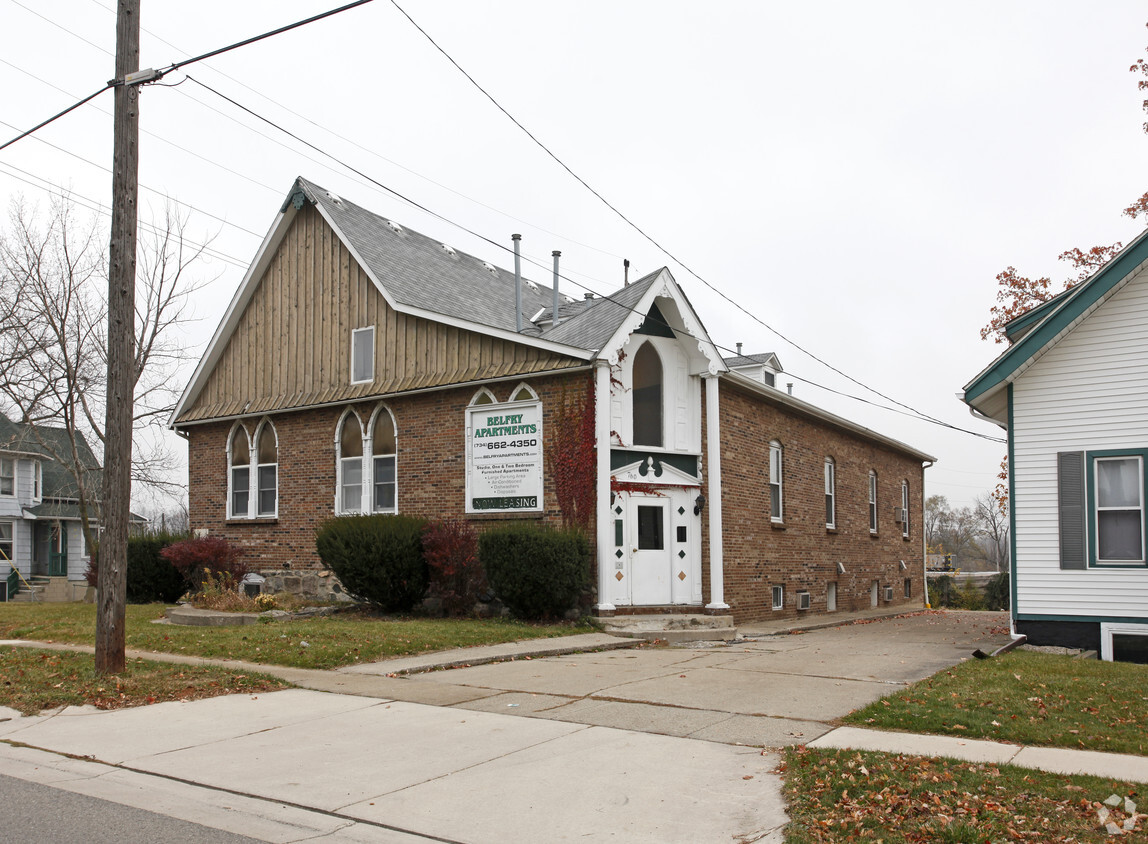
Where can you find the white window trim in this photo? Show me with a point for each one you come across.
(872, 501)
(354, 337)
(905, 507)
(776, 447)
(11, 463)
(483, 392)
(1094, 504)
(1109, 628)
(255, 505)
(830, 493)
(37, 481)
(339, 459)
(381, 412)
(235, 431)
(522, 385)
(11, 552)
(777, 597)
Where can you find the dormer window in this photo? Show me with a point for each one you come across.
(37, 481)
(648, 397)
(363, 355)
(7, 477)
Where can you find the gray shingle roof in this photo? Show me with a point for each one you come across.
(748, 360)
(47, 442)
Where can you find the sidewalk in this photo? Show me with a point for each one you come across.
(1055, 760)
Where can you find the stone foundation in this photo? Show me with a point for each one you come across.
(313, 585)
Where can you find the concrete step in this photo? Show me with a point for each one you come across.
(672, 627)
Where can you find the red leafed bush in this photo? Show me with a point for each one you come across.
(450, 548)
(193, 557)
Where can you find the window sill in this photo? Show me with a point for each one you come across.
(832, 530)
(262, 520)
(873, 534)
(777, 525)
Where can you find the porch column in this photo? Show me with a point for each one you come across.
(713, 470)
(605, 518)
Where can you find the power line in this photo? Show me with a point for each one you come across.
(57, 116)
(642, 232)
(907, 411)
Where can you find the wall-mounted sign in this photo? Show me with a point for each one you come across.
(504, 458)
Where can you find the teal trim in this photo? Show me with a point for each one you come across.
(1090, 481)
(1035, 315)
(1011, 507)
(1087, 619)
(1079, 300)
(687, 463)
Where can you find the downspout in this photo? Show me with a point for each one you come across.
(924, 542)
(554, 311)
(517, 238)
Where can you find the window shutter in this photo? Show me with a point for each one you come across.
(1071, 503)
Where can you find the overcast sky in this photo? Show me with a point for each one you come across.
(852, 175)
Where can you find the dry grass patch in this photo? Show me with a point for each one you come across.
(35, 680)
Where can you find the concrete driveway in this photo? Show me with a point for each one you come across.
(765, 690)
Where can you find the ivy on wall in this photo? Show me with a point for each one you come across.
(572, 455)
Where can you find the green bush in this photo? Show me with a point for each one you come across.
(998, 594)
(942, 593)
(151, 577)
(970, 597)
(535, 570)
(378, 559)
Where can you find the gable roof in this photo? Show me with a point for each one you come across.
(420, 276)
(1048, 325)
(45, 441)
(736, 361)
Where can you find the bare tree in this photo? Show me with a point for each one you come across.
(992, 515)
(53, 336)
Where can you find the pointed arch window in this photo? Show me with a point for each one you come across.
(350, 464)
(523, 392)
(647, 396)
(267, 470)
(239, 474)
(383, 456)
(484, 396)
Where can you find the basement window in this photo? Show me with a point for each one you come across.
(778, 597)
(1124, 642)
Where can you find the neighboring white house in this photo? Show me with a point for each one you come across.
(40, 527)
(1072, 392)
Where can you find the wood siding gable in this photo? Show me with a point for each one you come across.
(291, 346)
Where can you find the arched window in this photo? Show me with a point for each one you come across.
(267, 469)
(239, 474)
(830, 493)
(350, 464)
(775, 491)
(383, 456)
(647, 396)
(524, 392)
(484, 396)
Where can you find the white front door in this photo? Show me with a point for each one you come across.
(650, 550)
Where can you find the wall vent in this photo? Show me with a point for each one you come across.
(803, 602)
(888, 593)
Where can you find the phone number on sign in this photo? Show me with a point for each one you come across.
(507, 444)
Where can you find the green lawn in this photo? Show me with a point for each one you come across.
(1026, 698)
(847, 795)
(34, 680)
(342, 639)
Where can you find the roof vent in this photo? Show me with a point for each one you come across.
(395, 227)
(493, 270)
(335, 198)
(448, 250)
(531, 285)
(739, 348)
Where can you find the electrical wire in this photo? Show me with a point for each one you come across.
(57, 116)
(906, 411)
(648, 237)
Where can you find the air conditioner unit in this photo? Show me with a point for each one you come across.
(803, 602)
(899, 515)
(888, 593)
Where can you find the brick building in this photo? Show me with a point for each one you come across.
(363, 367)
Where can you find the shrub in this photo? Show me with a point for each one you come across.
(150, 577)
(377, 558)
(450, 548)
(942, 593)
(998, 594)
(970, 596)
(194, 557)
(536, 571)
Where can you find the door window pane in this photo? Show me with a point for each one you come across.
(651, 537)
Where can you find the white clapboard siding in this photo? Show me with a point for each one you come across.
(1088, 392)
